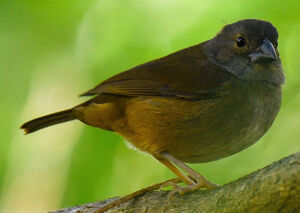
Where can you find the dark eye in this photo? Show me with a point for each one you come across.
(240, 41)
(275, 44)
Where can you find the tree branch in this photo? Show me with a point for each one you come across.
(275, 188)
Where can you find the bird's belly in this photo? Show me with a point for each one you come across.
(197, 131)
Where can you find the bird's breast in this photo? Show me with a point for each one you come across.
(235, 121)
(206, 130)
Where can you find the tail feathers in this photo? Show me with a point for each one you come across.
(48, 120)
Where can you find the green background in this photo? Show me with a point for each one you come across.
(51, 51)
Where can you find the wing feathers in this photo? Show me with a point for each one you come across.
(128, 88)
(184, 74)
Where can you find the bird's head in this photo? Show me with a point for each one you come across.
(248, 49)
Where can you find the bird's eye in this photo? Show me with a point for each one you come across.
(275, 44)
(240, 41)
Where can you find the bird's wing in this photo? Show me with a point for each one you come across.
(183, 74)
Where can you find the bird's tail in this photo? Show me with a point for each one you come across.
(48, 120)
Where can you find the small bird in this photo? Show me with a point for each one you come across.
(199, 104)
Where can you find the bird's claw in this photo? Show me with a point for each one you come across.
(203, 182)
(200, 183)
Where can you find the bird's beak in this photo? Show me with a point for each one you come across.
(264, 53)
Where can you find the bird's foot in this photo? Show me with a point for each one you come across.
(176, 188)
(200, 183)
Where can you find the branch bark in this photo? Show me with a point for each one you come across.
(275, 188)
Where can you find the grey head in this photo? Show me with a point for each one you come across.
(248, 50)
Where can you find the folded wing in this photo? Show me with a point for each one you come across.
(183, 74)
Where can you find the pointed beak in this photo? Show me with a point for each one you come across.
(264, 53)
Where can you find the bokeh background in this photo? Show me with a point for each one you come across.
(53, 50)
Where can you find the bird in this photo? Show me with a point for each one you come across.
(198, 104)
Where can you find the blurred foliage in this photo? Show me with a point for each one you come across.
(50, 51)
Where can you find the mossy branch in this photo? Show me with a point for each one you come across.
(275, 188)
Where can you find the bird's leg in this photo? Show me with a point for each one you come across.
(181, 175)
(177, 172)
(199, 180)
(194, 181)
